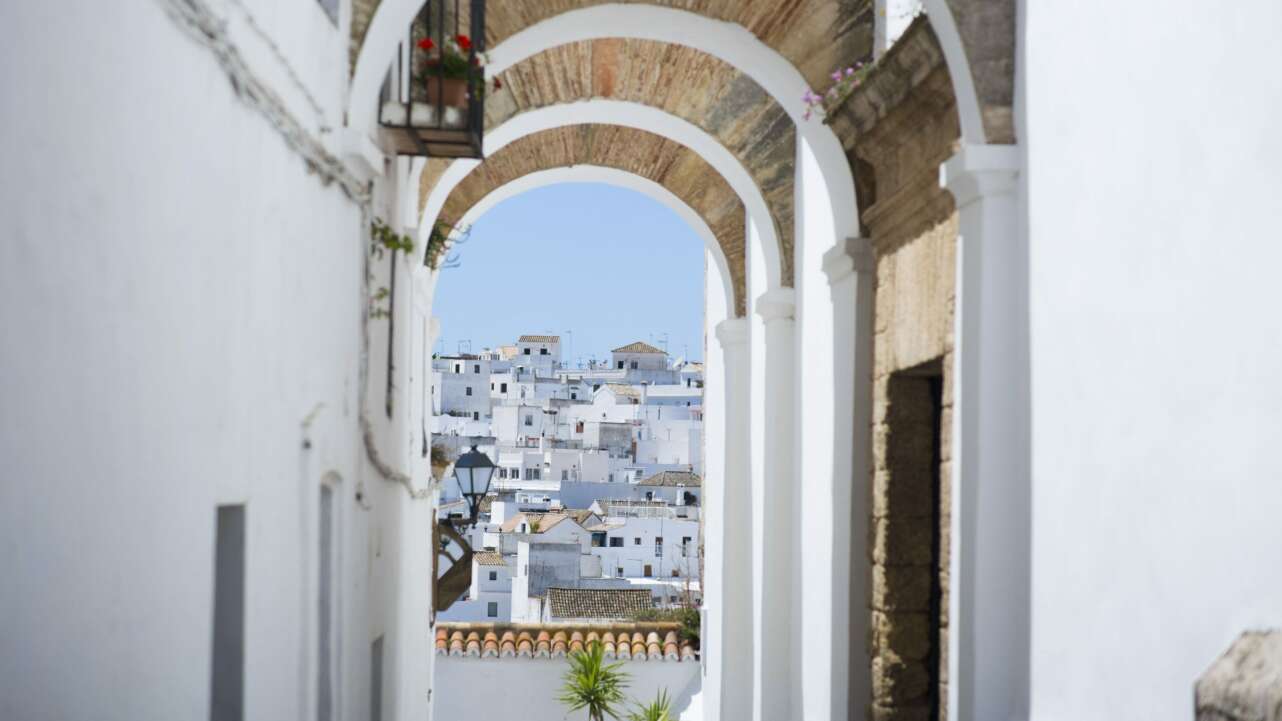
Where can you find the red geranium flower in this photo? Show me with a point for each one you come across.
(464, 42)
(498, 84)
(426, 44)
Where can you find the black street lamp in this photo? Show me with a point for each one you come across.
(473, 471)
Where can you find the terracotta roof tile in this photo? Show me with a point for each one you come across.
(539, 339)
(639, 641)
(673, 478)
(623, 389)
(489, 558)
(637, 347)
(597, 602)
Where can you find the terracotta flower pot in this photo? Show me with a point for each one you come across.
(449, 92)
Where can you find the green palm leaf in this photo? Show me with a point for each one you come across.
(592, 684)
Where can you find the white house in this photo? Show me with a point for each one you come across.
(647, 547)
(539, 354)
(490, 596)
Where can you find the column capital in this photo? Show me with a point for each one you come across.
(732, 332)
(777, 304)
(979, 171)
(852, 255)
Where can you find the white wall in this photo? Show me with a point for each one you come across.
(179, 296)
(466, 687)
(1153, 183)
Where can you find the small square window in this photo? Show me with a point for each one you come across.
(331, 9)
(476, 368)
(494, 575)
(636, 541)
(543, 351)
(616, 542)
(526, 351)
(468, 391)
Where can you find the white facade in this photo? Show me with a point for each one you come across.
(662, 548)
(539, 354)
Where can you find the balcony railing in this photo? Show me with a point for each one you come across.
(433, 105)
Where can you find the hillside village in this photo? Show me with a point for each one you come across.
(594, 507)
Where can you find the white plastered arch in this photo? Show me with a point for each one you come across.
(730, 42)
(632, 115)
(727, 41)
(618, 178)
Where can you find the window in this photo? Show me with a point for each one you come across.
(565, 474)
(619, 571)
(649, 495)
(476, 368)
(458, 367)
(467, 391)
(636, 541)
(491, 386)
(325, 630)
(598, 539)
(685, 545)
(227, 692)
(376, 680)
(526, 351)
(492, 609)
(649, 571)
(675, 574)
(543, 351)
(331, 9)
(611, 477)
(574, 396)
(658, 546)
(538, 473)
(494, 575)
(616, 541)
(502, 388)
(529, 419)
(476, 415)
(634, 365)
(620, 365)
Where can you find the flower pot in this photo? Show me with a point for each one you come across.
(447, 92)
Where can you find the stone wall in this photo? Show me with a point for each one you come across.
(897, 129)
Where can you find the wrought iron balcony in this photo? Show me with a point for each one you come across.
(433, 102)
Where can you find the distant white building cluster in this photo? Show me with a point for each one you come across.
(597, 489)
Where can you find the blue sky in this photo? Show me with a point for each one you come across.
(609, 264)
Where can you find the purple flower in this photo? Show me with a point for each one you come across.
(850, 71)
(836, 75)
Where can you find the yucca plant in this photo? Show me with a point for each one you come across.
(592, 684)
(660, 709)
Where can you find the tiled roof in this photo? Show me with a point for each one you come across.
(637, 641)
(637, 347)
(673, 478)
(539, 339)
(489, 558)
(623, 389)
(597, 602)
(580, 515)
(545, 521)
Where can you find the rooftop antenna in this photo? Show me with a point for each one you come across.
(664, 342)
(464, 346)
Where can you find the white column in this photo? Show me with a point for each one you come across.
(773, 539)
(991, 532)
(735, 648)
(850, 269)
(892, 18)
